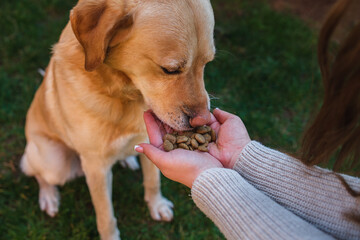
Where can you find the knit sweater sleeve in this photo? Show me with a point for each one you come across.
(243, 212)
(315, 194)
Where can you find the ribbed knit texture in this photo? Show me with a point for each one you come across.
(313, 193)
(243, 212)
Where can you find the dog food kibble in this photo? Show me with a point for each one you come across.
(202, 148)
(207, 137)
(183, 146)
(181, 139)
(171, 138)
(198, 139)
(194, 143)
(168, 146)
(203, 129)
(213, 135)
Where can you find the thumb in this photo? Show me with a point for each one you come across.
(222, 116)
(155, 155)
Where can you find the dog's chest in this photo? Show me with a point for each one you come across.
(123, 146)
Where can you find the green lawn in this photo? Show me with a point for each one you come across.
(265, 71)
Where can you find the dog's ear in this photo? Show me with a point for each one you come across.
(95, 23)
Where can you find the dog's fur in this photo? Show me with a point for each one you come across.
(115, 59)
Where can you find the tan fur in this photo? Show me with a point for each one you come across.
(83, 121)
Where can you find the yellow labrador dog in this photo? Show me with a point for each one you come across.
(115, 59)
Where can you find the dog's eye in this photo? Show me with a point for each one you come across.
(171, 72)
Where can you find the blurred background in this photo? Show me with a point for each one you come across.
(265, 71)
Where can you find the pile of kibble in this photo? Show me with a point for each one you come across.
(198, 139)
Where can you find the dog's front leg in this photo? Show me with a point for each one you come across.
(160, 208)
(99, 181)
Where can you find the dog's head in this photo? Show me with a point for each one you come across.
(162, 46)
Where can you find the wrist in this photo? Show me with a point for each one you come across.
(236, 156)
(201, 171)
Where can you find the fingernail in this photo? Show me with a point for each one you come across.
(139, 149)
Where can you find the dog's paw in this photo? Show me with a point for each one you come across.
(49, 200)
(114, 236)
(130, 162)
(161, 209)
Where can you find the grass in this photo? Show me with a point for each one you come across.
(265, 71)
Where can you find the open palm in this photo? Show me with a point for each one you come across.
(179, 165)
(232, 137)
(184, 166)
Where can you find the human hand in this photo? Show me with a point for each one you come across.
(232, 137)
(179, 165)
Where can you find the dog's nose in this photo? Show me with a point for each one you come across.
(200, 119)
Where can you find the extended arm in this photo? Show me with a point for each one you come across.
(243, 212)
(315, 194)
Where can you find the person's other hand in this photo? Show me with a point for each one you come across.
(232, 137)
(179, 165)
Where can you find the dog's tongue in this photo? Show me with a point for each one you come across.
(166, 127)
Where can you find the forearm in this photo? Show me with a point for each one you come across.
(316, 195)
(243, 212)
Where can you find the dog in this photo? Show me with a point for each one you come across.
(114, 60)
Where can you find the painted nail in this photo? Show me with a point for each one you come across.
(138, 149)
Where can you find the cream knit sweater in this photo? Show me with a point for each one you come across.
(270, 195)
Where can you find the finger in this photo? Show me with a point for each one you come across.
(222, 116)
(215, 126)
(212, 119)
(152, 129)
(154, 154)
